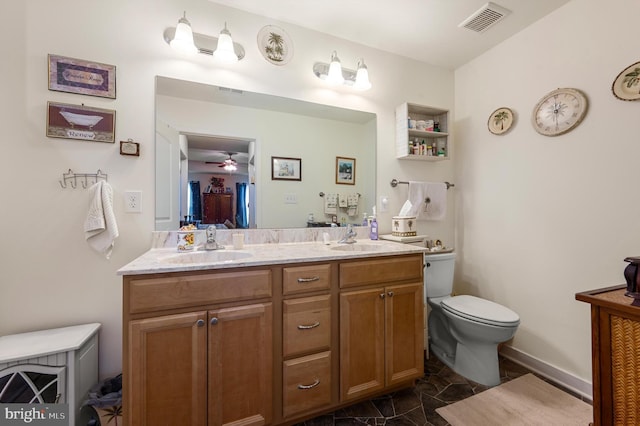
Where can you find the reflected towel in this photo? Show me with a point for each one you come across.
(330, 203)
(428, 199)
(100, 228)
(352, 204)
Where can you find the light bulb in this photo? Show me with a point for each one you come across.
(335, 70)
(183, 38)
(225, 51)
(362, 77)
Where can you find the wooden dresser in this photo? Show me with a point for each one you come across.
(615, 337)
(217, 207)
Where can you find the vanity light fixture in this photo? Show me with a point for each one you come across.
(225, 51)
(362, 77)
(184, 39)
(334, 74)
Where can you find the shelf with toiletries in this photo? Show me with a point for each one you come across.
(422, 133)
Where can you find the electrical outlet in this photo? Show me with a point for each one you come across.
(133, 201)
(290, 199)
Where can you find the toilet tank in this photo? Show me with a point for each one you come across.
(438, 274)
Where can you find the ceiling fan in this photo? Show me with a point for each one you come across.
(229, 164)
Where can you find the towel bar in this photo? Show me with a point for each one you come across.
(395, 182)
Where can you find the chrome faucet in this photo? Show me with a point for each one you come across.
(350, 236)
(211, 243)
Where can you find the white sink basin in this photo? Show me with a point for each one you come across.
(206, 257)
(359, 247)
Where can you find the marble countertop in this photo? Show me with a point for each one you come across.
(165, 259)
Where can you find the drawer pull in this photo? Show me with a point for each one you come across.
(308, 280)
(308, 327)
(312, 385)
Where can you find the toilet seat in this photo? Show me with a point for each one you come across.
(480, 310)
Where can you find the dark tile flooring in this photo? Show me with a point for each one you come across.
(415, 406)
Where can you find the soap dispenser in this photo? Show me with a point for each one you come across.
(373, 232)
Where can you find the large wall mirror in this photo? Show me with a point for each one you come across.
(285, 154)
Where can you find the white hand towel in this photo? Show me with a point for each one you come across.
(428, 199)
(100, 228)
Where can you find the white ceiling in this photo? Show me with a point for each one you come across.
(425, 30)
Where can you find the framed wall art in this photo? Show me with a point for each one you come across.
(286, 168)
(275, 45)
(500, 121)
(345, 171)
(129, 147)
(626, 85)
(83, 77)
(80, 122)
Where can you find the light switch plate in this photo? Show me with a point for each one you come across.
(133, 201)
(290, 199)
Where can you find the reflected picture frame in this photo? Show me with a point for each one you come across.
(345, 171)
(286, 168)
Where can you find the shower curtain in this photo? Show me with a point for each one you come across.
(242, 215)
(195, 201)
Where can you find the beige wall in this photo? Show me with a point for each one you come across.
(541, 218)
(49, 276)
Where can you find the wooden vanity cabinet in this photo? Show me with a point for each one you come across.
(206, 360)
(307, 339)
(381, 325)
(269, 345)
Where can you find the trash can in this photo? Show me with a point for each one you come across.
(103, 406)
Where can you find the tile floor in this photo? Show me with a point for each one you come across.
(415, 406)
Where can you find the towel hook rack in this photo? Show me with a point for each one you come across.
(395, 182)
(71, 178)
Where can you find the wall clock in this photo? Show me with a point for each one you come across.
(559, 111)
(500, 121)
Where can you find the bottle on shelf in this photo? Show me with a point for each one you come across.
(365, 221)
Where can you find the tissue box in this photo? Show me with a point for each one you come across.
(403, 226)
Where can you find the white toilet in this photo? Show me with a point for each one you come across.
(464, 331)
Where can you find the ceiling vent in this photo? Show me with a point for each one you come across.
(485, 17)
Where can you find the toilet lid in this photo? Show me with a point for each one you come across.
(481, 310)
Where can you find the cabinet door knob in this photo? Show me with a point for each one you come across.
(428, 265)
(200, 322)
(390, 294)
(308, 280)
(214, 321)
(312, 385)
(381, 295)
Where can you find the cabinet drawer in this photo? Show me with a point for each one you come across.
(385, 270)
(306, 278)
(306, 383)
(306, 324)
(155, 294)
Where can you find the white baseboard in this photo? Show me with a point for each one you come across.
(562, 378)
